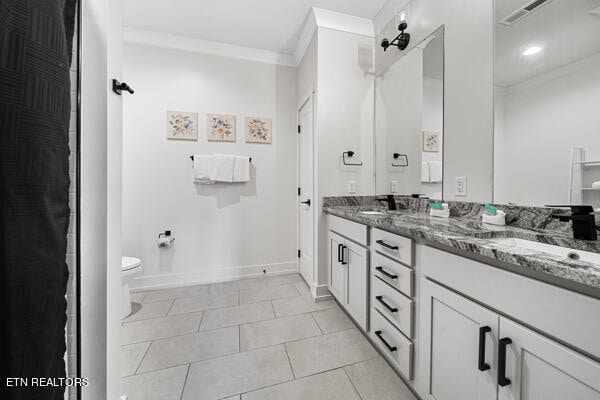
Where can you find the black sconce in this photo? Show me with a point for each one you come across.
(350, 154)
(401, 41)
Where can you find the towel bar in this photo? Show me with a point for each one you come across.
(192, 158)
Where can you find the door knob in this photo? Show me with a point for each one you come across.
(307, 202)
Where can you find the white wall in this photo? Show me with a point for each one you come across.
(433, 121)
(100, 205)
(225, 230)
(468, 79)
(398, 129)
(537, 123)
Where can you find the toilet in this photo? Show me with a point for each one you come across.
(129, 267)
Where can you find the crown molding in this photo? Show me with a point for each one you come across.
(321, 18)
(158, 39)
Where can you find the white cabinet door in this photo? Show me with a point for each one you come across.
(337, 270)
(457, 343)
(358, 271)
(538, 368)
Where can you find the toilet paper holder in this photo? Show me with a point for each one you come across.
(165, 239)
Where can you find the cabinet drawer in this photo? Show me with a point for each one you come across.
(392, 272)
(397, 247)
(396, 307)
(394, 345)
(352, 230)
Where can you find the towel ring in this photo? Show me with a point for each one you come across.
(402, 157)
(350, 154)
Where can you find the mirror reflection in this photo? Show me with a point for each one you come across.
(547, 97)
(409, 98)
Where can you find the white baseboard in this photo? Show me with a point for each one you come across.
(172, 280)
(321, 293)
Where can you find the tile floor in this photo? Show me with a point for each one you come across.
(252, 339)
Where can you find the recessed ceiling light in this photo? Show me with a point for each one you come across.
(532, 50)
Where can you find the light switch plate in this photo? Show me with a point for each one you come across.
(351, 186)
(460, 186)
(393, 186)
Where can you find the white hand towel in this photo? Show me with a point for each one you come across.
(241, 169)
(435, 171)
(222, 168)
(424, 171)
(203, 166)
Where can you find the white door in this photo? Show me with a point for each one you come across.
(357, 282)
(538, 368)
(337, 267)
(460, 337)
(305, 191)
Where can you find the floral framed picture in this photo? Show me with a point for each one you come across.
(220, 128)
(431, 142)
(182, 125)
(258, 130)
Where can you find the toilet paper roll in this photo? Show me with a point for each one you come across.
(165, 241)
(596, 185)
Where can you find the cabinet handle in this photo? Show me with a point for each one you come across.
(384, 244)
(386, 305)
(502, 379)
(391, 276)
(380, 336)
(482, 365)
(344, 262)
(339, 253)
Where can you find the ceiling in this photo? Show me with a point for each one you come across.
(565, 30)
(273, 25)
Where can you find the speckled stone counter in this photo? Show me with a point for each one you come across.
(464, 234)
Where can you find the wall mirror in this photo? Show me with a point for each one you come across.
(547, 102)
(409, 116)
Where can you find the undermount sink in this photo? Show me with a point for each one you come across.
(372, 212)
(562, 252)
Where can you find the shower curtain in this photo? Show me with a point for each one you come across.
(35, 56)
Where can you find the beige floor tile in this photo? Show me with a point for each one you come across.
(302, 287)
(268, 293)
(375, 380)
(178, 350)
(131, 357)
(277, 331)
(300, 305)
(204, 302)
(158, 328)
(237, 315)
(166, 384)
(332, 385)
(155, 309)
(238, 373)
(333, 320)
(322, 353)
(242, 284)
(168, 294)
(286, 279)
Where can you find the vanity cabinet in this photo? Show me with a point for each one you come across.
(472, 352)
(349, 269)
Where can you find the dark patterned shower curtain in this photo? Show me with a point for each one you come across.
(35, 56)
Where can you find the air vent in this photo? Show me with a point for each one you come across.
(522, 12)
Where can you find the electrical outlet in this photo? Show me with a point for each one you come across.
(393, 186)
(351, 186)
(460, 186)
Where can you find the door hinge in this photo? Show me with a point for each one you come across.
(299, 128)
(298, 253)
(299, 191)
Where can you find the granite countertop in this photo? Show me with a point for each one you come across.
(470, 236)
